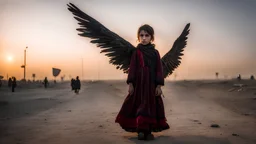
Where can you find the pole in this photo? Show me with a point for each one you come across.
(25, 64)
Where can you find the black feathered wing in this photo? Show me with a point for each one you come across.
(116, 48)
(171, 60)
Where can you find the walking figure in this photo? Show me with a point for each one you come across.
(77, 85)
(14, 84)
(46, 83)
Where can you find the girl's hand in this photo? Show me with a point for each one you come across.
(131, 89)
(158, 91)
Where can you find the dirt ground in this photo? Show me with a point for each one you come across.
(56, 115)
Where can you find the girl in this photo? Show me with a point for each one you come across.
(143, 108)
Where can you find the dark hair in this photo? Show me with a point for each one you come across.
(148, 29)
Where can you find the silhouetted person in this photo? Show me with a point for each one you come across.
(239, 77)
(14, 84)
(73, 84)
(252, 77)
(217, 75)
(77, 85)
(45, 82)
(10, 82)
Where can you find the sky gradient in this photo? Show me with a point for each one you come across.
(222, 37)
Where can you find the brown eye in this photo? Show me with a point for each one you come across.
(146, 35)
(141, 35)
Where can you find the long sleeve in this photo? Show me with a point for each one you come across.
(132, 69)
(159, 71)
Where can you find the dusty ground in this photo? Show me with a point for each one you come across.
(58, 116)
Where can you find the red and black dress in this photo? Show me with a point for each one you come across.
(143, 110)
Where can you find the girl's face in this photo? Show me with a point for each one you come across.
(144, 37)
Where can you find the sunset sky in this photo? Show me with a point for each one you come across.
(222, 37)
